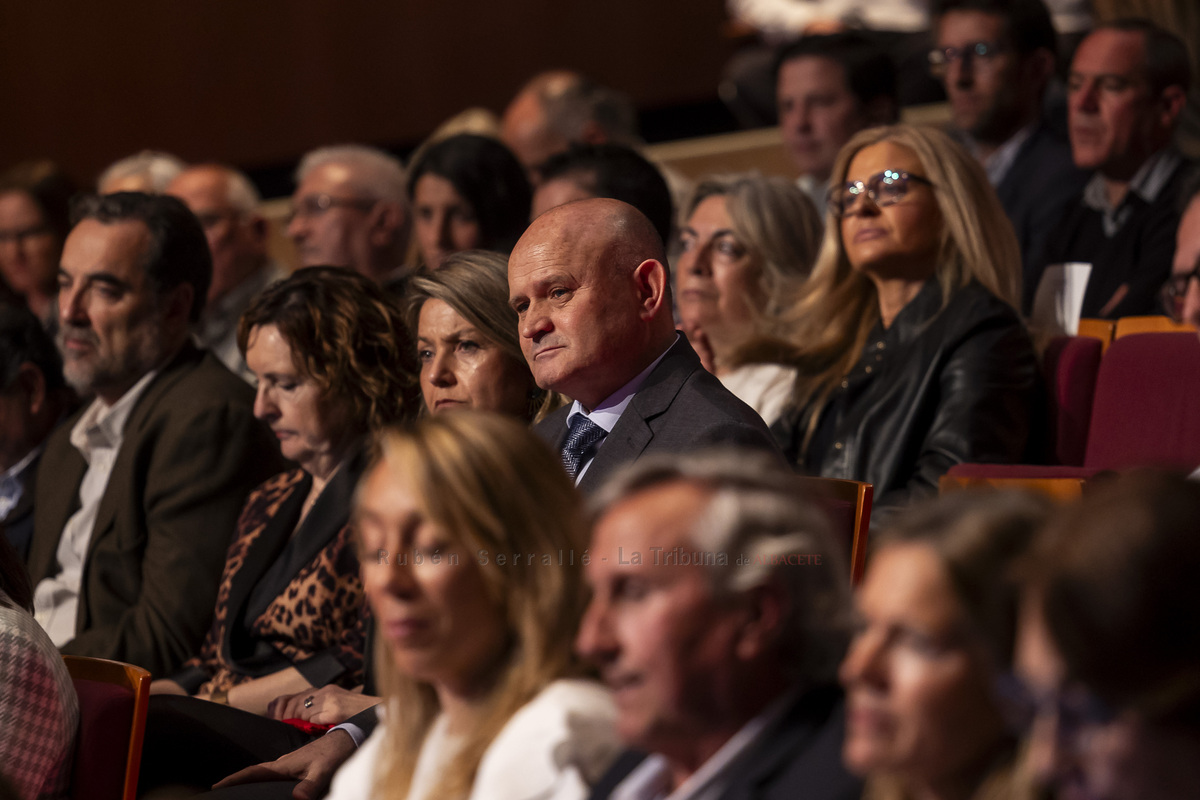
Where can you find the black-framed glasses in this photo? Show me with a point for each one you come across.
(1075, 709)
(1175, 289)
(21, 235)
(942, 57)
(884, 188)
(314, 205)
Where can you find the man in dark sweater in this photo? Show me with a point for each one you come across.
(1126, 89)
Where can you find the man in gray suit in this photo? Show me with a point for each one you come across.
(591, 288)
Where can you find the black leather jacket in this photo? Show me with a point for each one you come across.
(939, 387)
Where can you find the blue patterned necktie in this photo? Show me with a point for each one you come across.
(582, 440)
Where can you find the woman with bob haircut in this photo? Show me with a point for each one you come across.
(910, 354)
(748, 245)
(334, 363)
(938, 609)
(467, 344)
(1109, 646)
(484, 697)
(467, 192)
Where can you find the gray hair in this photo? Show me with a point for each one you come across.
(240, 191)
(378, 175)
(157, 168)
(572, 104)
(771, 531)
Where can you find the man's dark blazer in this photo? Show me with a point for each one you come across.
(18, 525)
(679, 408)
(1039, 184)
(192, 451)
(800, 756)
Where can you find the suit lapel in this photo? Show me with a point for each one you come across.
(632, 434)
(57, 499)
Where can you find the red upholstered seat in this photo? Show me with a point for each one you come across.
(1071, 365)
(112, 718)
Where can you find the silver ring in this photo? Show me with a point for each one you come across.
(308, 701)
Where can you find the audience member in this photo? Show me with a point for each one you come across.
(34, 220)
(559, 108)
(226, 203)
(484, 697)
(910, 353)
(749, 242)
(719, 614)
(1108, 644)
(938, 610)
(137, 491)
(606, 170)
(828, 88)
(467, 344)
(996, 59)
(148, 171)
(467, 192)
(1125, 92)
(333, 362)
(591, 289)
(33, 399)
(39, 712)
(350, 210)
(1181, 292)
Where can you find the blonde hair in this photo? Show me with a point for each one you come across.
(474, 283)
(829, 317)
(490, 483)
(780, 227)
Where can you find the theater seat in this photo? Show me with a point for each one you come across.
(1145, 412)
(113, 697)
(848, 504)
(1071, 367)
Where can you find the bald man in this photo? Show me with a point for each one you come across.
(591, 288)
(226, 203)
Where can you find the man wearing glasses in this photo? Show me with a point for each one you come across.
(1125, 93)
(995, 58)
(1181, 292)
(350, 210)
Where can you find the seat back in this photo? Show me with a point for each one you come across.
(1127, 326)
(848, 504)
(1103, 330)
(1147, 406)
(113, 698)
(1071, 365)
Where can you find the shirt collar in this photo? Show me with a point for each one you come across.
(1001, 160)
(16, 469)
(1147, 184)
(652, 778)
(103, 425)
(612, 407)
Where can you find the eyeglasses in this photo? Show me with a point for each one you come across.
(885, 189)
(942, 57)
(1075, 709)
(1174, 291)
(314, 205)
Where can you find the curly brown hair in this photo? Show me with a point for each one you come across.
(346, 335)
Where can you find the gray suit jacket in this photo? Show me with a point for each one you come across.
(191, 453)
(679, 408)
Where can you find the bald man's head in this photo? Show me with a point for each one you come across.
(590, 285)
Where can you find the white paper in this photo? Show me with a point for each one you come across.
(1059, 298)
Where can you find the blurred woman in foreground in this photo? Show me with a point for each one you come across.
(938, 607)
(483, 694)
(1110, 644)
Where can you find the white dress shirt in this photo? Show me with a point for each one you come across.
(12, 483)
(97, 436)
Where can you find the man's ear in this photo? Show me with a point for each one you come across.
(177, 305)
(1171, 103)
(765, 608)
(384, 223)
(650, 279)
(32, 384)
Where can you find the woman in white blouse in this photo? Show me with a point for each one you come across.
(472, 546)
